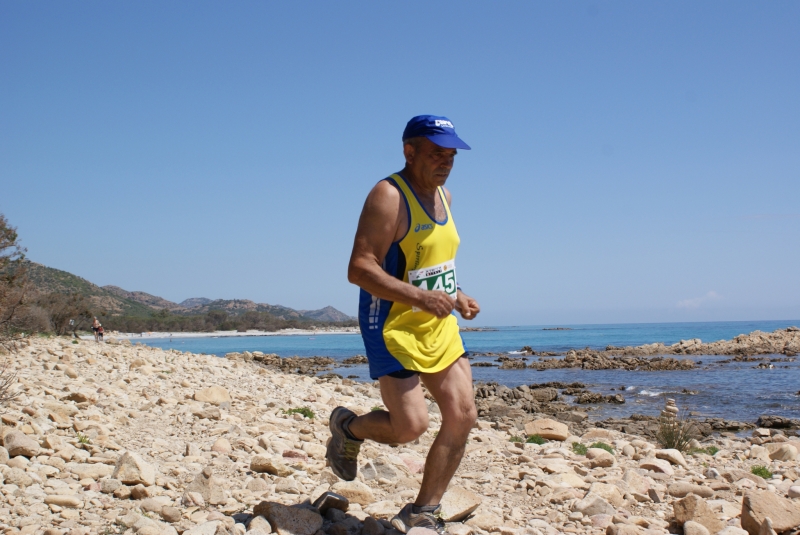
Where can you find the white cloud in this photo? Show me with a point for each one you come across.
(697, 302)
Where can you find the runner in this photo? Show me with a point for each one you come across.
(96, 329)
(404, 261)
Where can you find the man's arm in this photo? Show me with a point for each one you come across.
(466, 305)
(378, 227)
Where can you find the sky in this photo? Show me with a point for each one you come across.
(631, 162)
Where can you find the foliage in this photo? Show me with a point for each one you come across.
(376, 408)
(676, 432)
(710, 450)
(67, 312)
(603, 446)
(535, 439)
(304, 411)
(13, 282)
(83, 439)
(761, 471)
(515, 438)
(579, 448)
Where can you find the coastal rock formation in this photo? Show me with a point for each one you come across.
(138, 453)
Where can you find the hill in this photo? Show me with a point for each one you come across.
(115, 301)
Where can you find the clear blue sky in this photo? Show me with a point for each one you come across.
(631, 162)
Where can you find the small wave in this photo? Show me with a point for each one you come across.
(649, 393)
(516, 352)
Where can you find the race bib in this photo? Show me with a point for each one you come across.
(441, 278)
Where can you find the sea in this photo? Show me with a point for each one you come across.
(735, 390)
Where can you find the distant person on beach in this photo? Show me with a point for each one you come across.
(96, 329)
(404, 261)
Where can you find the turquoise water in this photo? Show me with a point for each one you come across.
(734, 390)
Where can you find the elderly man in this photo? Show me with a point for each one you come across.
(404, 261)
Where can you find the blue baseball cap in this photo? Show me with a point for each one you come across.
(437, 129)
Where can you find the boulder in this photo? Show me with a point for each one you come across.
(69, 500)
(264, 464)
(608, 492)
(132, 470)
(18, 443)
(694, 528)
(90, 471)
(547, 428)
(785, 452)
(485, 521)
(458, 504)
(657, 465)
(206, 487)
(624, 529)
(599, 458)
(758, 505)
(354, 491)
(592, 504)
(681, 489)
(222, 446)
(673, 456)
(216, 395)
(696, 509)
(287, 520)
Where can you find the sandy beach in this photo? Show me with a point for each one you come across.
(224, 334)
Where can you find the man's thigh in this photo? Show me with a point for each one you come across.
(405, 400)
(452, 389)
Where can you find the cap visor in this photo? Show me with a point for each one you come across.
(449, 142)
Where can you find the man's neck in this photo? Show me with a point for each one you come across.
(419, 187)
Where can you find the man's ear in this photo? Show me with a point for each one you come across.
(408, 152)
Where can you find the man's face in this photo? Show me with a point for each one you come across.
(430, 162)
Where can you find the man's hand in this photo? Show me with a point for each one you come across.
(437, 303)
(467, 306)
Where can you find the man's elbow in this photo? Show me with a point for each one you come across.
(355, 274)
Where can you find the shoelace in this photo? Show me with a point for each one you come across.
(351, 450)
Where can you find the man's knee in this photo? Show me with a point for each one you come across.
(462, 416)
(411, 428)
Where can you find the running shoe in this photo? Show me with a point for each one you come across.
(342, 451)
(407, 519)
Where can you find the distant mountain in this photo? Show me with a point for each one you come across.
(116, 301)
(49, 280)
(326, 314)
(194, 302)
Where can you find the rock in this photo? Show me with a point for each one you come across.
(139, 492)
(592, 504)
(657, 465)
(257, 485)
(673, 456)
(171, 514)
(63, 501)
(206, 528)
(222, 446)
(696, 509)
(766, 528)
(732, 530)
(90, 471)
(109, 485)
(458, 504)
(264, 464)
(132, 470)
(216, 395)
(547, 428)
(372, 527)
(786, 452)
(261, 524)
(315, 451)
(18, 443)
(354, 491)
(794, 491)
(681, 489)
(205, 486)
(599, 458)
(694, 528)
(758, 505)
(18, 477)
(608, 492)
(485, 521)
(289, 520)
(623, 529)
(4, 456)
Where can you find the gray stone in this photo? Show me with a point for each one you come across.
(592, 504)
(758, 505)
(207, 486)
(18, 443)
(132, 470)
(287, 520)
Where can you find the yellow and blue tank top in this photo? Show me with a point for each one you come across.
(401, 337)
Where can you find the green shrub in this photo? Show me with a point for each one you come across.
(710, 450)
(676, 433)
(304, 411)
(761, 471)
(579, 448)
(603, 446)
(83, 439)
(515, 438)
(535, 439)
(376, 408)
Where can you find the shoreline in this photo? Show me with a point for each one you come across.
(223, 334)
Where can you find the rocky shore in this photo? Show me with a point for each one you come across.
(655, 357)
(117, 438)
